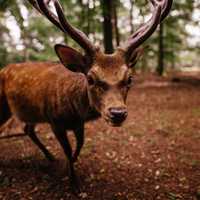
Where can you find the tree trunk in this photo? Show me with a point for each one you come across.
(65, 38)
(160, 68)
(116, 28)
(94, 23)
(26, 44)
(83, 16)
(173, 61)
(107, 7)
(88, 19)
(131, 16)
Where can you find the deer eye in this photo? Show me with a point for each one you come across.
(90, 80)
(103, 85)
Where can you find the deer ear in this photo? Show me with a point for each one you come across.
(134, 57)
(70, 58)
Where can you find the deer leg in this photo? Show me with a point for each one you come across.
(5, 113)
(79, 134)
(29, 130)
(60, 134)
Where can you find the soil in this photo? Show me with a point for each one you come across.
(154, 156)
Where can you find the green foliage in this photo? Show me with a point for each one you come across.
(175, 34)
(38, 35)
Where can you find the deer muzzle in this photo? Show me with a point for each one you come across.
(117, 115)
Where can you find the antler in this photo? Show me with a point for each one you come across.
(161, 10)
(61, 22)
(53, 18)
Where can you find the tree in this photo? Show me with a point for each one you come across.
(115, 24)
(107, 7)
(171, 34)
(38, 35)
(160, 68)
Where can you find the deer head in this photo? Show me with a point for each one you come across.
(109, 76)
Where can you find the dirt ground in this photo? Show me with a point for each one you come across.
(154, 156)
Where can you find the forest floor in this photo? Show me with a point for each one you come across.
(154, 156)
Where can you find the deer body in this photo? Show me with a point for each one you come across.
(45, 92)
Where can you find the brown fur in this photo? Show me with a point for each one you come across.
(48, 92)
(38, 92)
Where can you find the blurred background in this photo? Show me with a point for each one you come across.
(26, 35)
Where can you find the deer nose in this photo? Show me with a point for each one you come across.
(118, 115)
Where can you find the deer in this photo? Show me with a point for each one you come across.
(82, 87)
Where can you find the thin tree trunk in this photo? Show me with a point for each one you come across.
(83, 20)
(173, 62)
(160, 68)
(116, 28)
(88, 18)
(144, 64)
(131, 16)
(26, 45)
(65, 36)
(94, 24)
(107, 25)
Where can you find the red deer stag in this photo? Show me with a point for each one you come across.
(64, 96)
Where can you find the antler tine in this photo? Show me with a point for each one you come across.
(60, 21)
(45, 11)
(76, 34)
(166, 10)
(144, 32)
(35, 5)
(162, 8)
(165, 7)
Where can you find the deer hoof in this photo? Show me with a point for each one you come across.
(76, 186)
